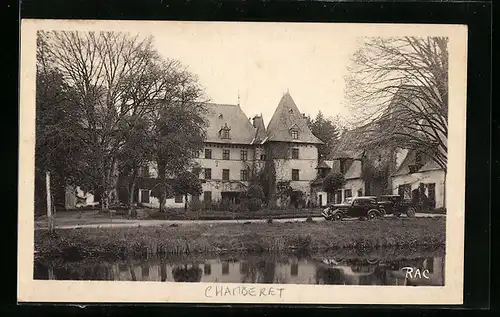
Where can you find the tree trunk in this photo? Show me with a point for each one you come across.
(185, 203)
(161, 175)
(133, 211)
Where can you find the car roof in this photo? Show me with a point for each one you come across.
(365, 197)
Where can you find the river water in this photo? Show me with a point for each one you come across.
(379, 268)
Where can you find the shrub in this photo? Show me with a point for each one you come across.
(225, 205)
(255, 191)
(309, 219)
(254, 204)
(269, 220)
(195, 205)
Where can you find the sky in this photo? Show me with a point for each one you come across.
(260, 62)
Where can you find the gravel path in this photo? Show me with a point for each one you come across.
(126, 223)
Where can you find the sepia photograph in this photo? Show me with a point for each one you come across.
(241, 162)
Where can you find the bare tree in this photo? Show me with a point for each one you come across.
(115, 78)
(398, 92)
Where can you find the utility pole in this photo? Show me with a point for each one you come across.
(50, 220)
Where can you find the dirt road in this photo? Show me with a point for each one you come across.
(130, 223)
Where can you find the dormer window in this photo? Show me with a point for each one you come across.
(295, 134)
(224, 132)
(290, 110)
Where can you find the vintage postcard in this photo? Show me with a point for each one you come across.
(241, 162)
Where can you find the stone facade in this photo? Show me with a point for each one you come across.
(237, 149)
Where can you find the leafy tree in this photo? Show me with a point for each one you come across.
(326, 130)
(283, 190)
(187, 184)
(135, 154)
(58, 149)
(333, 182)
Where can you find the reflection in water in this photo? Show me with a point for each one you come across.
(255, 269)
(185, 273)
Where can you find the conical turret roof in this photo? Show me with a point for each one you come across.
(288, 118)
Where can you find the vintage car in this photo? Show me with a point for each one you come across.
(355, 207)
(396, 205)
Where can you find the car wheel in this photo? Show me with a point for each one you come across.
(372, 261)
(372, 214)
(411, 212)
(382, 212)
(337, 216)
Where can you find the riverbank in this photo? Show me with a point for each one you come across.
(410, 233)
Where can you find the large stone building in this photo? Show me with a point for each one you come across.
(237, 149)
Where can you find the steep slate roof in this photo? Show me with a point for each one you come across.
(324, 164)
(429, 165)
(218, 115)
(285, 117)
(354, 171)
(351, 144)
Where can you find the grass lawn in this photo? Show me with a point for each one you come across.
(250, 237)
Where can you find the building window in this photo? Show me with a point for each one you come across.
(262, 157)
(295, 154)
(347, 193)
(196, 154)
(295, 175)
(208, 153)
(178, 199)
(294, 269)
(360, 192)
(244, 175)
(145, 196)
(225, 154)
(342, 166)
(225, 268)
(225, 174)
(208, 173)
(196, 171)
(224, 132)
(295, 134)
(207, 196)
(404, 191)
(207, 269)
(431, 194)
(244, 155)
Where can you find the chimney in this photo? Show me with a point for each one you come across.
(254, 123)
